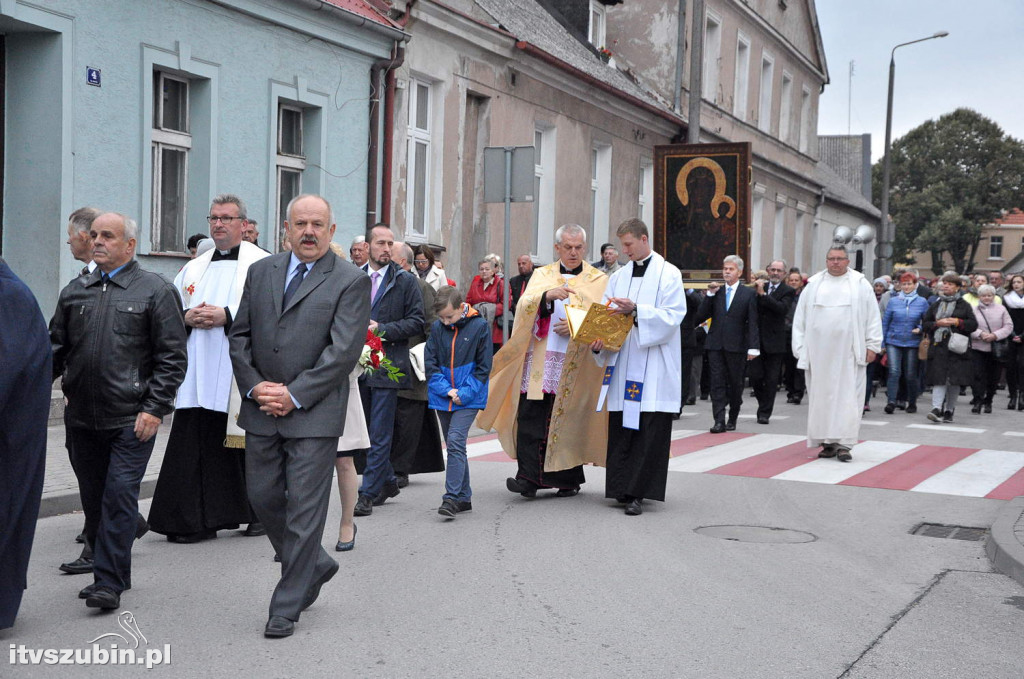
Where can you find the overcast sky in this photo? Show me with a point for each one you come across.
(980, 64)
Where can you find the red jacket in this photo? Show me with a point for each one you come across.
(495, 294)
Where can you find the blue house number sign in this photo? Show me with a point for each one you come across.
(92, 76)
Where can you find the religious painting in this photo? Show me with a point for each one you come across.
(702, 206)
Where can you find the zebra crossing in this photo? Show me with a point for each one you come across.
(968, 472)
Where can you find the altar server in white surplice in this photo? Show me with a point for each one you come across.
(201, 487)
(642, 382)
(836, 333)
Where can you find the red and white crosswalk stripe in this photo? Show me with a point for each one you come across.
(971, 472)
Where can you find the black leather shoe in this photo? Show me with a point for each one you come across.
(277, 558)
(622, 499)
(635, 507)
(80, 538)
(390, 490)
(87, 591)
(568, 492)
(843, 454)
(524, 488)
(828, 450)
(448, 509)
(364, 506)
(976, 409)
(466, 506)
(350, 545)
(762, 420)
(103, 597)
(82, 564)
(255, 529)
(314, 590)
(141, 526)
(730, 425)
(192, 538)
(987, 408)
(278, 627)
(402, 479)
(718, 428)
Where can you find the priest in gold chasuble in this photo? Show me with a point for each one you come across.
(544, 387)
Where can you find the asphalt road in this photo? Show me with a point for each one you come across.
(573, 588)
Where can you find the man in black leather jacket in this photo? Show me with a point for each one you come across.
(118, 338)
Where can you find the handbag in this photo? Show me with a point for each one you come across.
(957, 343)
(922, 349)
(1000, 348)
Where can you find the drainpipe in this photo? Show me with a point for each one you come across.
(381, 174)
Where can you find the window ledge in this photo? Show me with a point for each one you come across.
(178, 255)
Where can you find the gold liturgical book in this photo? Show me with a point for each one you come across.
(587, 325)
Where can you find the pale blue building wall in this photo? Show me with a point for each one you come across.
(70, 144)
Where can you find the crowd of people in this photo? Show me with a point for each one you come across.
(286, 370)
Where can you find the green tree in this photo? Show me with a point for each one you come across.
(948, 178)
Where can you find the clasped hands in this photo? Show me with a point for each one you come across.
(274, 398)
(206, 316)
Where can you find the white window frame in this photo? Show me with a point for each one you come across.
(805, 122)
(712, 56)
(779, 235)
(995, 247)
(416, 136)
(742, 85)
(798, 238)
(786, 107)
(597, 32)
(162, 140)
(544, 202)
(756, 226)
(764, 96)
(280, 129)
(600, 195)
(286, 162)
(645, 197)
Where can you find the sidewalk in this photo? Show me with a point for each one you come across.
(1005, 543)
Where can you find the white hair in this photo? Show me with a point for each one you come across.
(734, 259)
(570, 230)
(986, 289)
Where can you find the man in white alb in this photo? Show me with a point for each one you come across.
(836, 333)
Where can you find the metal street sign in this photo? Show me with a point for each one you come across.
(522, 170)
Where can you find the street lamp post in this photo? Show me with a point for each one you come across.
(888, 233)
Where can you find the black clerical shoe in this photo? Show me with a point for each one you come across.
(635, 507)
(389, 490)
(277, 558)
(255, 529)
(761, 419)
(730, 425)
(80, 538)
(87, 591)
(350, 545)
(402, 479)
(82, 564)
(524, 488)
(718, 428)
(568, 492)
(105, 598)
(828, 450)
(314, 590)
(364, 506)
(278, 627)
(843, 454)
(192, 538)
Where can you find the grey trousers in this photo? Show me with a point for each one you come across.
(289, 482)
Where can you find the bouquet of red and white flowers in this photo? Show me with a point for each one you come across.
(373, 358)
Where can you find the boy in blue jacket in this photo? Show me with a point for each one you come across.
(458, 366)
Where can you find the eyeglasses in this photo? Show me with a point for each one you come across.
(222, 220)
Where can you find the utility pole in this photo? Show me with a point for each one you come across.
(849, 100)
(696, 71)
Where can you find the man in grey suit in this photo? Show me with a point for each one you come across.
(299, 331)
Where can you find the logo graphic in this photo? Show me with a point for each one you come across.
(120, 649)
(127, 622)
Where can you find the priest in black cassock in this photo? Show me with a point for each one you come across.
(25, 372)
(201, 488)
(643, 381)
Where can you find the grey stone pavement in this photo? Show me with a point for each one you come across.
(573, 588)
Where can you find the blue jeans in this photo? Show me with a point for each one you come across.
(902, 361)
(379, 406)
(455, 426)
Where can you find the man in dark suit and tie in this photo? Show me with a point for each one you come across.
(774, 299)
(732, 340)
(397, 313)
(299, 331)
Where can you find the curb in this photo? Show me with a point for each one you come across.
(69, 501)
(1003, 547)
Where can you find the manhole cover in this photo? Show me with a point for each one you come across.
(756, 534)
